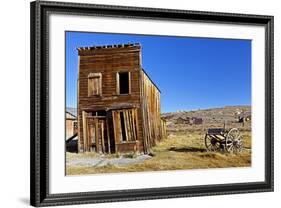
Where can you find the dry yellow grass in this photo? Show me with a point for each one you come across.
(181, 150)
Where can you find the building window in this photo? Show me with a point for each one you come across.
(94, 84)
(123, 83)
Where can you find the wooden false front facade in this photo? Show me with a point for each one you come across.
(118, 104)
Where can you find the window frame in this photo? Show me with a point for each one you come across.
(118, 82)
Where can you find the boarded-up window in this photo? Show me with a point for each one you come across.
(125, 125)
(94, 84)
(123, 83)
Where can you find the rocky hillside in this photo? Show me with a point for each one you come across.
(214, 117)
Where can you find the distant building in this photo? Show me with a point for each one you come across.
(248, 118)
(242, 119)
(196, 120)
(182, 120)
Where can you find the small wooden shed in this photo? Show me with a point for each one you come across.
(71, 127)
(118, 103)
(182, 120)
(197, 121)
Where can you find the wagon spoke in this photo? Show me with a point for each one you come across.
(211, 143)
(233, 141)
(208, 145)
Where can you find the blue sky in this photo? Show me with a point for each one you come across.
(192, 73)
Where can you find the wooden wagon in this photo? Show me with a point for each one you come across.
(221, 139)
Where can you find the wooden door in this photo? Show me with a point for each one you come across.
(96, 134)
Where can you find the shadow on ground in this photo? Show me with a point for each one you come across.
(187, 149)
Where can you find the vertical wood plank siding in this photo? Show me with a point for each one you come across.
(151, 113)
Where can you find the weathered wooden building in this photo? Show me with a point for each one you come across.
(71, 127)
(183, 120)
(118, 104)
(196, 120)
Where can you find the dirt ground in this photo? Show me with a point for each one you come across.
(181, 150)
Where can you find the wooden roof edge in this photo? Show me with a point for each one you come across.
(124, 45)
(151, 80)
(111, 107)
(71, 114)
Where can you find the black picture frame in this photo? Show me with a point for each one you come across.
(39, 189)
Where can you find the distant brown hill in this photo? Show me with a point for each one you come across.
(213, 117)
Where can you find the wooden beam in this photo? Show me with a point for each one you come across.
(116, 129)
(125, 123)
(102, 136)
(108, 134)
(84, 123)
(129, 80)
(128, 129)
(132, 116)
(93, 117)
(117, 84)
(97, 134)
(136, 123)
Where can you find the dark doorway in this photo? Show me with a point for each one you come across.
(124, 138)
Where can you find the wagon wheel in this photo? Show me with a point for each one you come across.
(233, 141)
(212, 144)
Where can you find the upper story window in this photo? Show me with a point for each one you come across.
(94, 84)
(123, 83)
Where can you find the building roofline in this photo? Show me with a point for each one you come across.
(151, 80)
(71, 114)
(126, 45)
